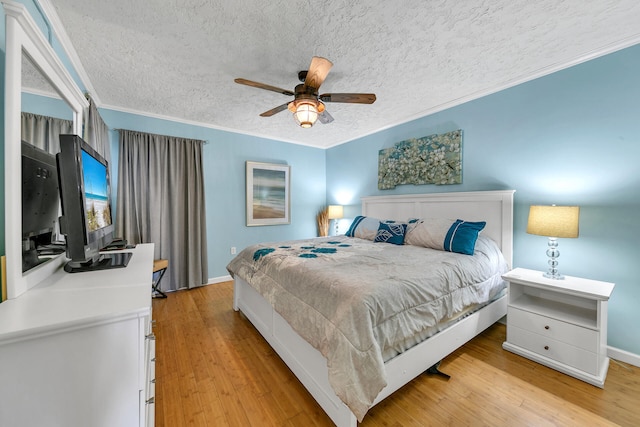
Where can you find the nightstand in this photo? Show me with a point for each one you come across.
(561, 324)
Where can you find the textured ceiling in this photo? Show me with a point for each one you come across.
(177, 59)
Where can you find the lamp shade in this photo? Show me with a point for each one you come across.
(553, 221)
(306, 114)
(335, 212)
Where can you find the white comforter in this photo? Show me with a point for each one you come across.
(361, 303)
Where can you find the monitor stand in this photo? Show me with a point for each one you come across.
(105, 262)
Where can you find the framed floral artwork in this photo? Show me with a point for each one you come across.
(433, 159)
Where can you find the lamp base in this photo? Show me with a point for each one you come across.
(553, 253)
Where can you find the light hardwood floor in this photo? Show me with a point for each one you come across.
(214, 369)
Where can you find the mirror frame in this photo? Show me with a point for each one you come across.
(24, 37)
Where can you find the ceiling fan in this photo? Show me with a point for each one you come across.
(307, 106)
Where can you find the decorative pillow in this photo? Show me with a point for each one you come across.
(411, 224)
(390, 232)
(364, 227)
(446, 235)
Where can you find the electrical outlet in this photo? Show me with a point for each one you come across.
(233, 250)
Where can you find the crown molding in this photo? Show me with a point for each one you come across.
(65, 42)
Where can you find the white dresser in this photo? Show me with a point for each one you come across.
(559, 323)
(78, 349)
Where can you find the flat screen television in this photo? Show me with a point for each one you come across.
(40, 204)
(85, 196)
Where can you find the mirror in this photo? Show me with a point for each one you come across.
(32, 80)
(47, 116)
(26, 48)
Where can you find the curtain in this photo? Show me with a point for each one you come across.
(44, 132)
(161, 200)
(96, 132)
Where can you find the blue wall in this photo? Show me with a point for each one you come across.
(570, 138)
(224, 158)
(46, 106)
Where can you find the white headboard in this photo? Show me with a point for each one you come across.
(494, 207)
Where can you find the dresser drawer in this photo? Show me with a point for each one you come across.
(564, 353)
(577, 336)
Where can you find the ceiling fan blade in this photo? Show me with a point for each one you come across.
(263, 86)
(275, 110)
(325, 117)
(352, 98)
(318, 71)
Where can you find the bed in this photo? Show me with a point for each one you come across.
(317, 372)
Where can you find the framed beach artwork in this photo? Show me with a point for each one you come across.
(268, 196)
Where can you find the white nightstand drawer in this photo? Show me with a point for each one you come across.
(564, 353)
(587, 339)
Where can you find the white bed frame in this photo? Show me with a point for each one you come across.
(495, 207)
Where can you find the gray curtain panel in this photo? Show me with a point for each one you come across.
(44, 131)
(161, 200)
(96, 132)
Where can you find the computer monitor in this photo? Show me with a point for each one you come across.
(85, 195)
(40, 203)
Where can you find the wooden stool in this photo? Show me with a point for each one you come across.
(159, 267)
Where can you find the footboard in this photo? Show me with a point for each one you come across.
(310, 367)
(307, 364)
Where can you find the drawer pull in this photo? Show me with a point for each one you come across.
(153, 381)
(546, 347)
(151, 401)
(151, 337)
(546, 327)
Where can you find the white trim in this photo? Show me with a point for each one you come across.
(42, 93)
(61, 34)
(24, 37)
(623, 356)
(219, 279)
(201, 124)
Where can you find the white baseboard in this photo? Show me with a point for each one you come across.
(623, 356)
(219, 279)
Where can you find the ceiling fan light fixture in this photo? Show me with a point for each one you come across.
(307, 106)
(306, 112)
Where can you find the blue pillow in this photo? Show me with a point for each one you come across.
(391, 233)
(462, 236)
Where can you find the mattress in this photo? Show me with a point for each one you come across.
(360, 303)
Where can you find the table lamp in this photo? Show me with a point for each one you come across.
(554, 222)
(335, 213)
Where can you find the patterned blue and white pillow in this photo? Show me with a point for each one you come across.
(446, 235)
(366, 227)
(391, 233)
